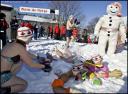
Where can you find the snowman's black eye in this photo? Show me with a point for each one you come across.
(111, 6)
(116, 7)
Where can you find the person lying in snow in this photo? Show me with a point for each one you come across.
(11, 55)
(93, 69)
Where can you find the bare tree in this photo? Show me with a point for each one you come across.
(67, 8)
(91, 25)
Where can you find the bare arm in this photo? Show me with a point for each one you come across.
(32, 56)
(27, 59)
(98, 26)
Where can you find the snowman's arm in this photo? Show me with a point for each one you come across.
(98, 26)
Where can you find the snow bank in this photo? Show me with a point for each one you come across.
(40, 82)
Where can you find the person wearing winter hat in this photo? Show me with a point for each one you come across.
(14, 26)
(3, 27)
(12, 55)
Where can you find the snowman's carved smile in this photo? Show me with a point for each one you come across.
(113, 11)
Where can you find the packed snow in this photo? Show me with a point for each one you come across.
(40, 82)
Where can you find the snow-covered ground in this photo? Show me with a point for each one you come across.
(40, 82)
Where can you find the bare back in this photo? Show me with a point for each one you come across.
(10, 50)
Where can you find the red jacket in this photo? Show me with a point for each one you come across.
(56, 29)
(62, 30)
(75, 32)
(89, 39)
(4, 25)
(50, 28)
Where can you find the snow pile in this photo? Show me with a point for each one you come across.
(40, 82)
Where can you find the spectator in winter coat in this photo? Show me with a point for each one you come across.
(35, 31)
(14, 27)
(3, 26)
(50, 31)
(85, 35)
(89, 39)
(74, 34)
(41, 31)
(63, 32)
(56, 31)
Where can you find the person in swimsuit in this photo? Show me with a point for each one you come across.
(69, 27)
(12, 55)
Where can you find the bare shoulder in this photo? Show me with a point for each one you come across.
(19, 48)
(68, 21)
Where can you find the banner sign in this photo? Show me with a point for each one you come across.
(37, 10)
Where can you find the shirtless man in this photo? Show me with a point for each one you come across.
(11, 55)
(69, 27)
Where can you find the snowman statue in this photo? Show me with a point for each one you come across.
(108, 28)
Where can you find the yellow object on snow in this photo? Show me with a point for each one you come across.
(92, 75)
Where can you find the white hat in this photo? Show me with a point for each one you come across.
(24, 33)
